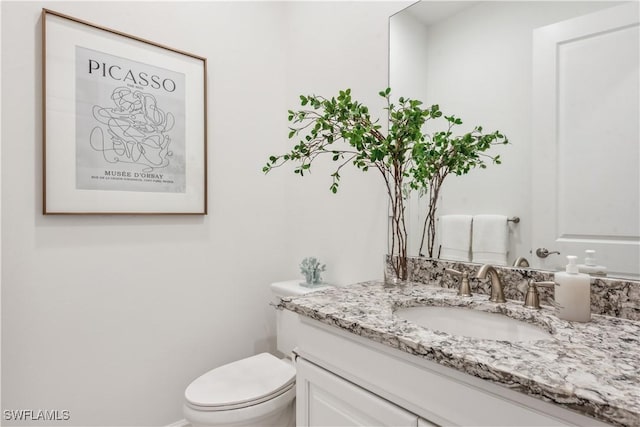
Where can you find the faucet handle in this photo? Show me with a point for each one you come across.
(532, 299)
(465, 288)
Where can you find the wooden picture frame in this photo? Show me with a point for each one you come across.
(124, 123)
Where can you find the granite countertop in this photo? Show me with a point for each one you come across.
(588, 367)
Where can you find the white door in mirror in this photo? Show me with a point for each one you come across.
(586, 180)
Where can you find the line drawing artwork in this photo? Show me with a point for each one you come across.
(137, 130)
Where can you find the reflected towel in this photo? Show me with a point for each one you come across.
(490, 239)
(455, 237)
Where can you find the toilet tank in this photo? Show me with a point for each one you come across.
(287, 321)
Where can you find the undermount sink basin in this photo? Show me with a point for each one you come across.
(473, 323)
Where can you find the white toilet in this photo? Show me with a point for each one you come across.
(256, 391)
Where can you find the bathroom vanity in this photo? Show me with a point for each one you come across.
(361, 363)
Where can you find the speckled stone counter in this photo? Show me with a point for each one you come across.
(588, 367)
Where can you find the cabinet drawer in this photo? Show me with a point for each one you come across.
(325, 399)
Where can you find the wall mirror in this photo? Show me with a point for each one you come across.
(561, 80)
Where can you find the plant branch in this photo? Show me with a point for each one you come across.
(406, 157)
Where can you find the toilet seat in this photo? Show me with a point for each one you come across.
(241, 384)
(279, 411)
(248, 405)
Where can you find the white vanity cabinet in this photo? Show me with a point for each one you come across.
(347, 380)
(325, 399)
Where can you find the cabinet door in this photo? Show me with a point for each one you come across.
(325, 399)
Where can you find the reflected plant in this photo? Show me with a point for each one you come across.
(442, 154)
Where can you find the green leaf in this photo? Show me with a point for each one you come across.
(407, 149)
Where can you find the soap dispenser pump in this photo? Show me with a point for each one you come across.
(573, 293)
(590, 265)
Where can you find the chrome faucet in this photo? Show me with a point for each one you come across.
(497, 294)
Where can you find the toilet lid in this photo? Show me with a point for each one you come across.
(241, 383)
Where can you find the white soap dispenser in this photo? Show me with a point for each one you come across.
(573, 293)
(590, 265)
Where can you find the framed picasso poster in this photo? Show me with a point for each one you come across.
(124, 123)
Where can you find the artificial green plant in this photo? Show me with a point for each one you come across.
(406, 157)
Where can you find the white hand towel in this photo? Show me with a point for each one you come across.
(490, 239)
(455, 237)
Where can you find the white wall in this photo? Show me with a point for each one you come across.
(333, 46)
(111, 317)
(408, 56)
(407, 78)
(478, 67)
